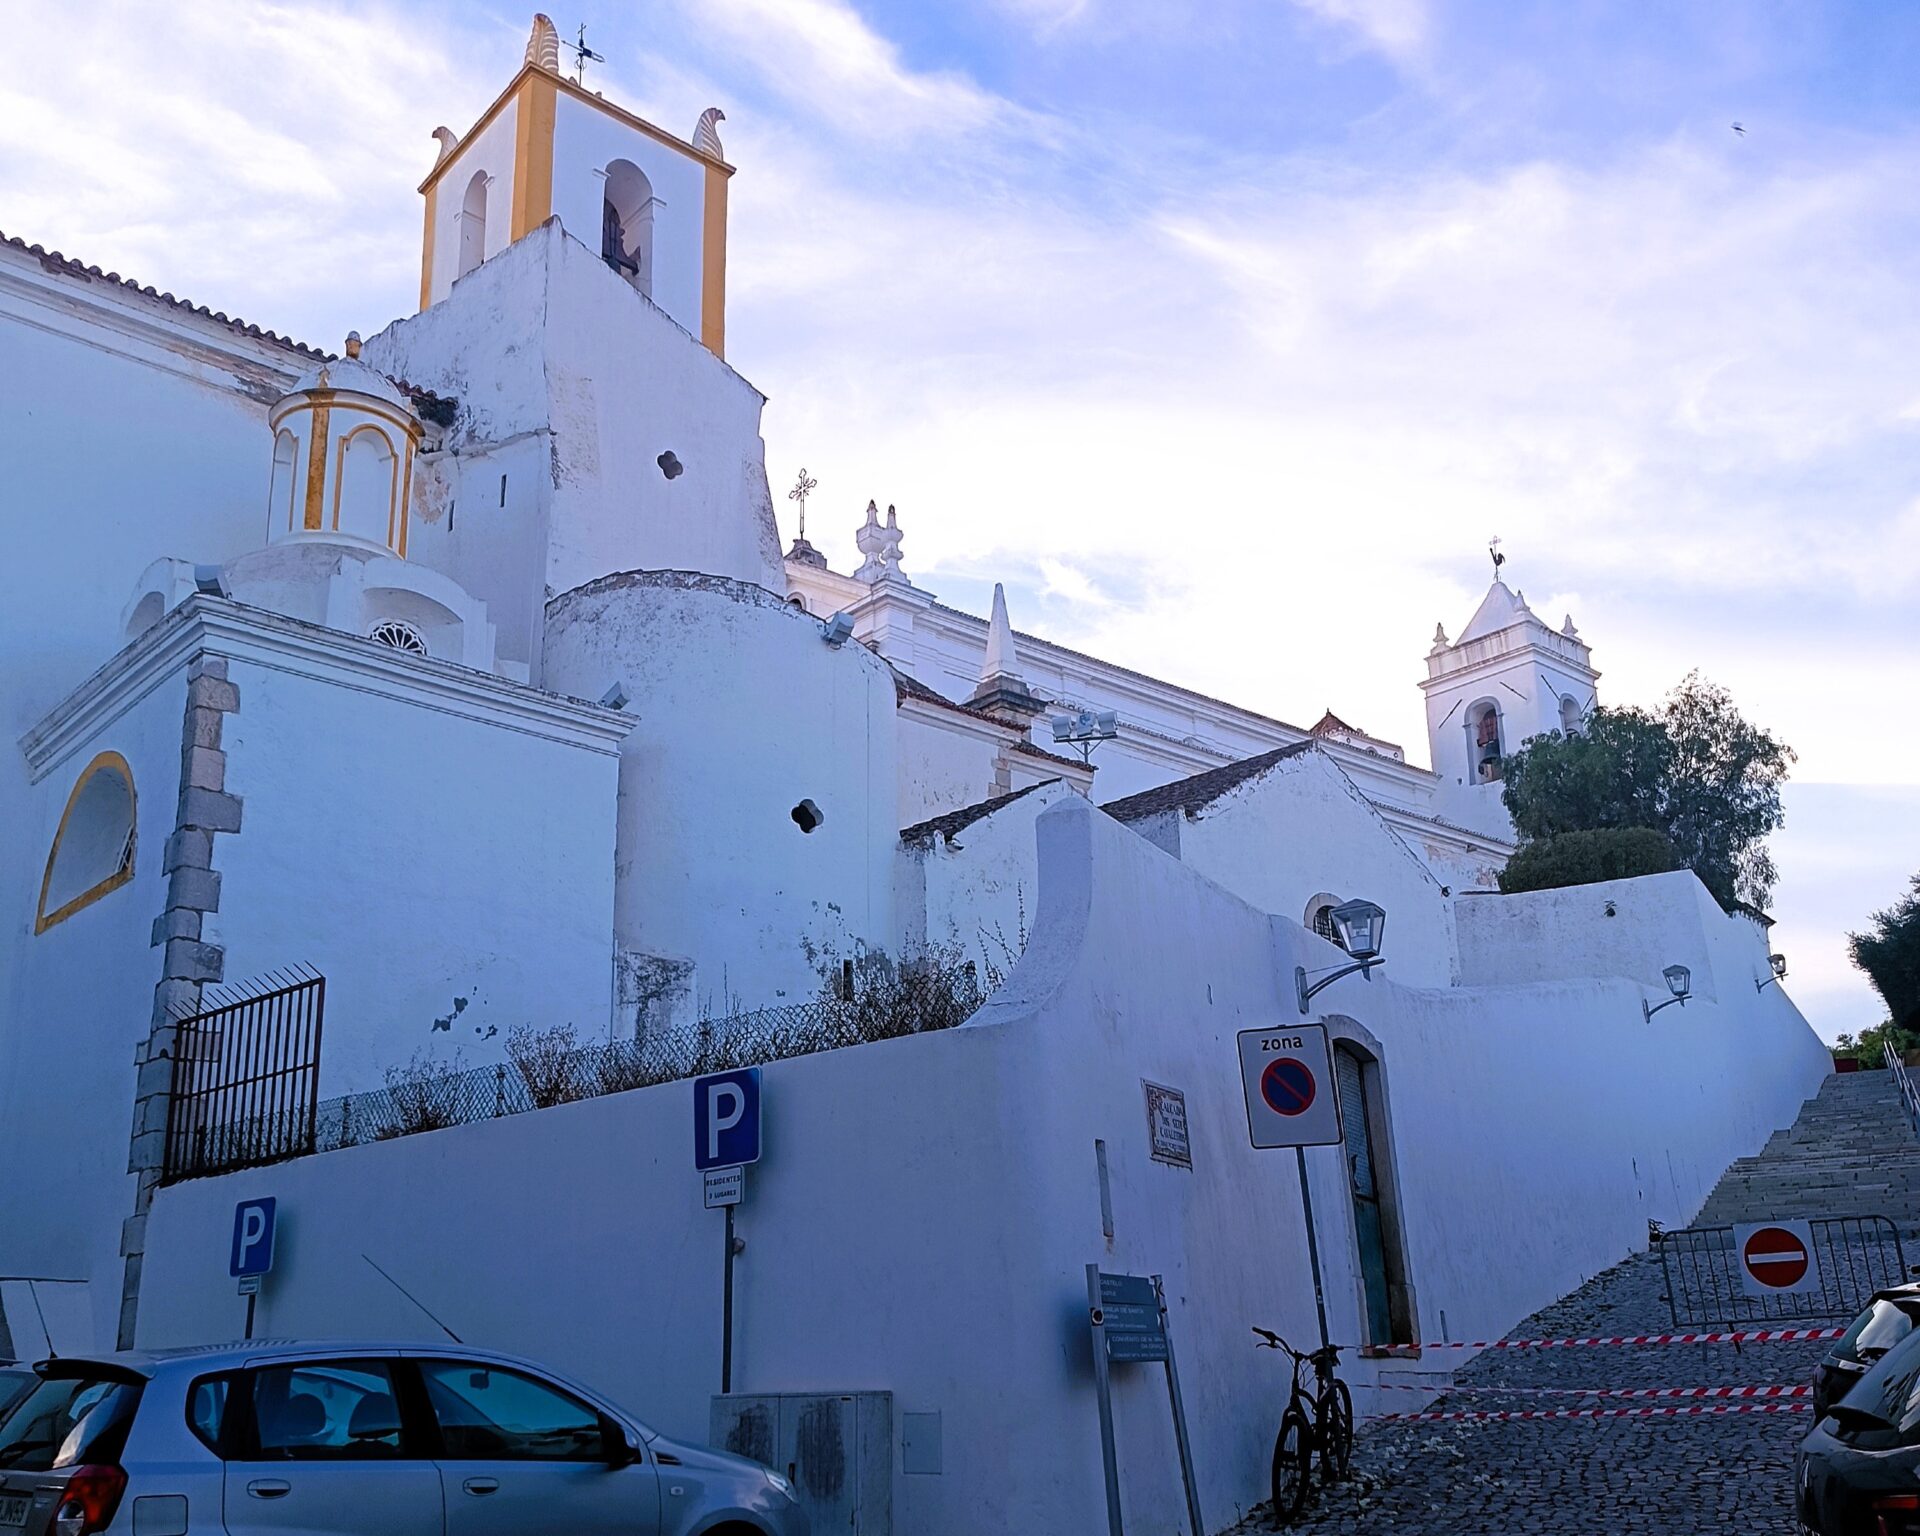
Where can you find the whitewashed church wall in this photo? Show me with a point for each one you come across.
(977, 894)
(1656, 921)
(451, 877)
(628, 385)
(945, 765)
(1301, 830)
(585, 142)
(78, 1002)
(1519, 1118)
(745, 714)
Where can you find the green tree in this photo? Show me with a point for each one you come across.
(1581, 858)
(1695, 772)
(1889, 952)
(1867, 1048)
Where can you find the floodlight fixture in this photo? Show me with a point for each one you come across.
(208, 579)
(837, 631)
(615, 697)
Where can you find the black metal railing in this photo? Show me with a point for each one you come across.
(548, 1067)
(245, 1082)
(1852, 1257)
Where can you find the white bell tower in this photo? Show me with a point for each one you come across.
(1509, 676)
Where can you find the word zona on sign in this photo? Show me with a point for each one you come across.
(1287, 1073)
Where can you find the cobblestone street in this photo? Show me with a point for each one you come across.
(1575, 1476)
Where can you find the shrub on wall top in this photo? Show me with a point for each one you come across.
(1581, 858)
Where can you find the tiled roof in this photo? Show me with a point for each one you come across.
(906, 686)
(54, 261)
(957, 821)
(1202, 789)
(1331, 722)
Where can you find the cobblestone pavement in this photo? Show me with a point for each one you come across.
(1578, 1477)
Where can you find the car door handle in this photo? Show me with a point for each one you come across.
(269, 1488)
(481, 1485)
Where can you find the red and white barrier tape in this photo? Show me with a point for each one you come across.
(1449, 1390)
(1689, 1411)
(1751, 1336)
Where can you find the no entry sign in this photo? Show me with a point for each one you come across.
(1288, 1075)
(1776, 1258)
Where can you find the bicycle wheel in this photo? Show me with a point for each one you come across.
(1292, 1466)
(1336, 1432)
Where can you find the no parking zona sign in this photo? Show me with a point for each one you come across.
(1776, 1258)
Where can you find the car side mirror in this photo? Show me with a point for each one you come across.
(618, 1444)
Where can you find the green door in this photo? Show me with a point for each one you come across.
(1362, 1175)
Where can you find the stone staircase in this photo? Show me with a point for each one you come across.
(1851, 1152)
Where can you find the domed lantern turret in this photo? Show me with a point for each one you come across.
(343, 445)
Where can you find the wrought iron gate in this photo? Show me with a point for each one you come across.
(1854, 1256)
(246, 1082)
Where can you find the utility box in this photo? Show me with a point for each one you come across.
(836, 1448)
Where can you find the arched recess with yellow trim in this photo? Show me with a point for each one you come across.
(93, 848)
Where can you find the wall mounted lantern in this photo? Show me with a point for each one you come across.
(1361, 927)
(1779, 965)
(1679, 982)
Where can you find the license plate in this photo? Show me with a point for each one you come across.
(14, 1507)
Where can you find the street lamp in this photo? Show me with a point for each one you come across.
(1779, 965)
(1679, 982)
(1361, 927)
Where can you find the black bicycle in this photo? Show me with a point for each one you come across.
(1329, 1428)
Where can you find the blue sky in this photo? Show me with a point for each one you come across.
(1225, 335)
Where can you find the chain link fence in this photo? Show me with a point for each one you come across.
(545, 1067)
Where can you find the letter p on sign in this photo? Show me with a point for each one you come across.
(726, 1119)
(253, 1222)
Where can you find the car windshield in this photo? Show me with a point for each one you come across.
(67, 1419)
(1890, 1390)
(1875, 1331)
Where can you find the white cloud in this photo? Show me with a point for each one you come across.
(1396, 27)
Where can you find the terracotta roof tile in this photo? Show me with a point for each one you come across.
(1202, 788)
(924, 832)
(54, 261)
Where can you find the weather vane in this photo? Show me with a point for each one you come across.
(1493, 548)
(802, 489)
(581, 53)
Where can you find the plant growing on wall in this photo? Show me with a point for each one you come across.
(1695, 771)
(551, 1063)
(1889, 952)
(422, 1095)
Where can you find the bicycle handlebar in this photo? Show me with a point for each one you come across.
(1271, 1340)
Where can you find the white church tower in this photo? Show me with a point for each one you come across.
(652, 205)
(1509, 676)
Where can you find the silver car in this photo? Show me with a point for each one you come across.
(272, 1439)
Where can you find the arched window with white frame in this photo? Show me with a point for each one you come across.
(280, 495)
(1570, 714)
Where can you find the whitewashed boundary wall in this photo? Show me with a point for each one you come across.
(927, 1205)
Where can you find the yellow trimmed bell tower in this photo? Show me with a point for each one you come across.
(652, 206)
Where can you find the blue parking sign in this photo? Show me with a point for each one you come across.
(726, 1118)
(252, 1237)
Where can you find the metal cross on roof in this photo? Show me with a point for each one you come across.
(802, 489)
(581, 53)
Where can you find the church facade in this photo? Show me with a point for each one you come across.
(465, 670)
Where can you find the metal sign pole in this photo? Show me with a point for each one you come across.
(726, 1313)
(1103, 1390)
(252, 1297)
(1313, 1245)
(1179, 1416)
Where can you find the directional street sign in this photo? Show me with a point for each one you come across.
(1776, 1258)
(726, 1118)
(252, 1251)
(1287, 1072)
(1130, 1317)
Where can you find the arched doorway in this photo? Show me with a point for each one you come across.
(1366, 1133)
